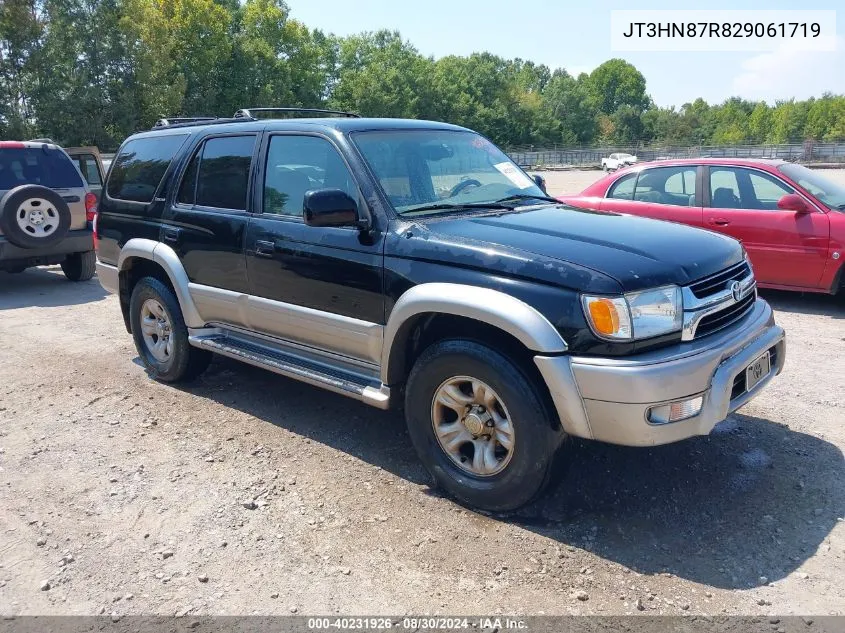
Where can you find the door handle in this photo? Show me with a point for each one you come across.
(264, 248)
(719, 221)
(171, 234)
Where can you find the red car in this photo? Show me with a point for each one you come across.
(790, 219)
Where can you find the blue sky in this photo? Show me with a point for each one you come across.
(576, 36)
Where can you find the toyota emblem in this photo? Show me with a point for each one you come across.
(736, 290)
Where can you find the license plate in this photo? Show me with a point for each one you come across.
(757, 370)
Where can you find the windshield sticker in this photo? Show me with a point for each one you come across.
(513, 174)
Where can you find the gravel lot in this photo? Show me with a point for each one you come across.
(245, 492)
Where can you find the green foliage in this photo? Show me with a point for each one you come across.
(379, 74)
(616, 84)
(95, 71)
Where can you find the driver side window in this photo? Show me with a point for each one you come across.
(767, 190)
(298, 164)
(739, 188)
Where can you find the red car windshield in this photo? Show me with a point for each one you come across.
(830, 193)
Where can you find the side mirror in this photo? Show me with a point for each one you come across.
(540, 182)
(794, 202)
(330, 207)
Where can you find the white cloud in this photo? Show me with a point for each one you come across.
(787, 74)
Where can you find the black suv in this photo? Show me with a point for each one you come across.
(412, 263)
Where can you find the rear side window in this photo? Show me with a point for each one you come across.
(224, 172)
(138, 169)
(218, 174)
(667, 185)
(623, 189)
(87, 164)
(37, 166)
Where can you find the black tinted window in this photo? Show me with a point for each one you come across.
(224, 172)
(140, 166)
(188, 188)
(36, 166)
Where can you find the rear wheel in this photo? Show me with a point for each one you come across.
(480, 426)
(160, 334)
(80, 266)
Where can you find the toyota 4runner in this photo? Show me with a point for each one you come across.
(45, 210)
(411, 263)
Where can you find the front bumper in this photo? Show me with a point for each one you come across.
(608, 399)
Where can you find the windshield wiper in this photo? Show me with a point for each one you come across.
(503, 203)
(519, 197)
(451, 206)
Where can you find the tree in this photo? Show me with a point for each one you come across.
(759, 122)
(379, 74)
(616, 83)
(569, 105)
(94, 71)
(788, 121)
(21, 64)
(277, 61)
(826, 119)
(732, 122)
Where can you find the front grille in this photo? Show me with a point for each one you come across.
(723, 318)
(716, 283)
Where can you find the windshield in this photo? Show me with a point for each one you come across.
(418, 169)
(37, 166)
(830, 193)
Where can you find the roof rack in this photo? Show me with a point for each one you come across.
(163, 122)
(249, 113)
(42, 140)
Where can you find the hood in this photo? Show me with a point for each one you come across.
(637, 252)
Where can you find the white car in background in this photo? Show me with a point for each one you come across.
(617, 161)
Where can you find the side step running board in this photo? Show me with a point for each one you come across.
(294, 366)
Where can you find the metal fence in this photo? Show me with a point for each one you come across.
(809, 152)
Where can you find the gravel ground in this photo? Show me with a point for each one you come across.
(245, 492)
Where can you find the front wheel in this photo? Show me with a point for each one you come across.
(160, 334)
(481, 426)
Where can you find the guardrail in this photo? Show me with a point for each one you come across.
(808, 152)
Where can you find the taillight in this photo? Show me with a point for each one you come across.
(90, 206)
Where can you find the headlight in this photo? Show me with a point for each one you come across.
(636, 315)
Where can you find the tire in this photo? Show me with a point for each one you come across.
(182, 362)
(526, 469)
(80, 266)
(32, 216)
